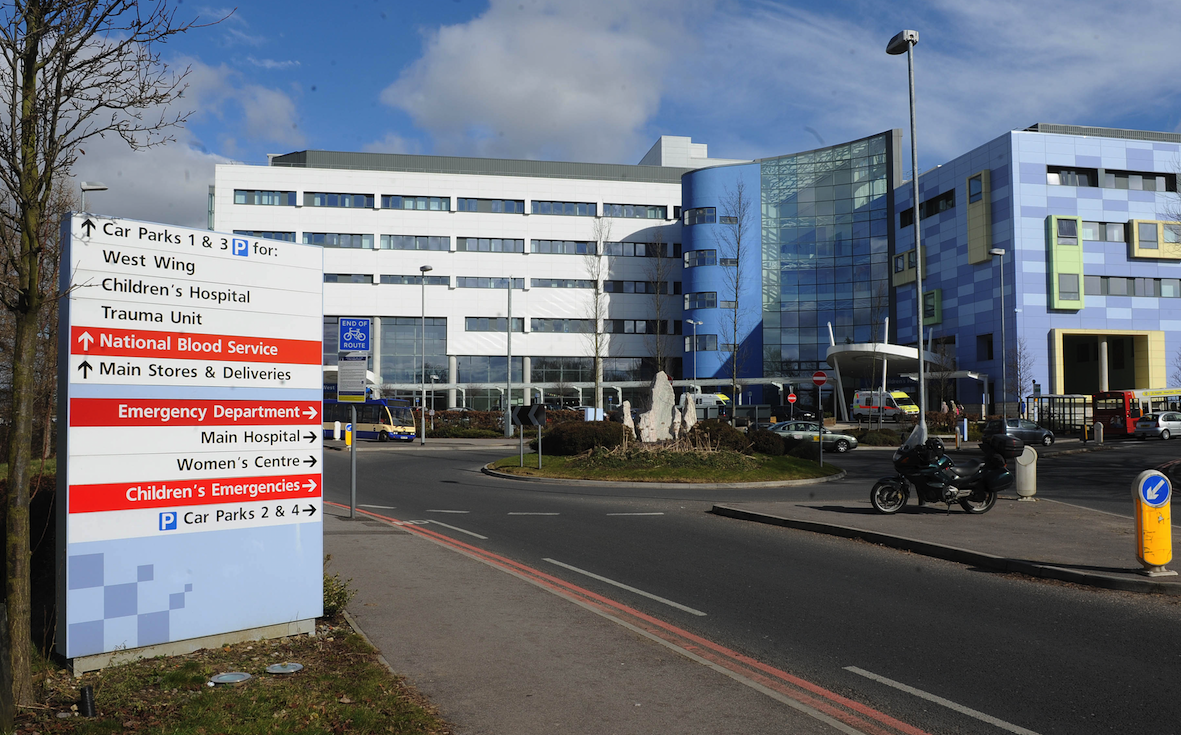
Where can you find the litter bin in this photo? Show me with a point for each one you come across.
(1025, 474)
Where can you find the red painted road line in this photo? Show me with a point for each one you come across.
(794, 687)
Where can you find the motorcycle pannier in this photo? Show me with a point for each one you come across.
(1009, 447)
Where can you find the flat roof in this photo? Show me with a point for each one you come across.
(413, 163)
(1093, 132)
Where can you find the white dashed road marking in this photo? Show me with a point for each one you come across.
(629, 588)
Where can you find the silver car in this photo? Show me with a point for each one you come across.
(1163, 424)
(806, 431)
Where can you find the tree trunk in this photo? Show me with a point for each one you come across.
(17, 551)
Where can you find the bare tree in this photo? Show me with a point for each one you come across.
(73, 70)
(735, 238)
(595, 266)
(1175, 378)
(659, 270)
(1020, 364)
(941, 370)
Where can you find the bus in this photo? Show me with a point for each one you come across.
(377, 418)
(1118, 410)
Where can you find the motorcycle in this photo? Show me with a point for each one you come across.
(923, 465)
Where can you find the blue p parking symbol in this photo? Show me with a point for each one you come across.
(240, 247)
(168, 520)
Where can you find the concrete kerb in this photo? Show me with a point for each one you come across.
(958, 555)
(487, 470)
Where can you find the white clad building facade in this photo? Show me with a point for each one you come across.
(479, 224)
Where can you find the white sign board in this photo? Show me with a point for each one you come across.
(190, 389)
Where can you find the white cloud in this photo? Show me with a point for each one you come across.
(545, 78)
(393, 143)
(272, 64)
(170, 183)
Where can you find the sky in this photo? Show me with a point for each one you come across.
(600, 81)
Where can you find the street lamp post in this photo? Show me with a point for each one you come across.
(423, 270)
(904, 42)
(695, 325)
(1000, 252)
(86, 186)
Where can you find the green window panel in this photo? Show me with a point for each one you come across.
(932, 307)
(1064, 239)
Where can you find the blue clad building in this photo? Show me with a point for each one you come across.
(1078, 223)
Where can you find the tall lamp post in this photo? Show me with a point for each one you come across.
(423, 270)
(86, 186)
(1000, 253)
(695, 325)
(903, 43)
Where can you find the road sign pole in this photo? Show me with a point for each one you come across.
(353, 465)
(539, 446)
(521, 435)
(820, 425)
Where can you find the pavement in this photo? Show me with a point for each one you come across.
(527, 653)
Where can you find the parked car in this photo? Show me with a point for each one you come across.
(757, 425)
(1023, 429)
(831, 441)
(1164, 424)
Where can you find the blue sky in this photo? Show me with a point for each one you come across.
(601, 80)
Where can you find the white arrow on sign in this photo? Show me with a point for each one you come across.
(309, 485)
(1152, 491)
(311, 412)
(86, 340)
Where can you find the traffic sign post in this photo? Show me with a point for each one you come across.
(191, 436)
(820, 378)
(791, 400)
(1151, 493)
(529, 416)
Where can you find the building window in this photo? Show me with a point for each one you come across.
(415, 242)
(562, 283)
(562, 247)
(700, 216)
(1068, 286)
(1104, 231)
(635, 287)
(975, 189)
(641, 326)
(420, 204)
(702, 300)
(705, 343)
(489, 245)
(728, 305)
(284, 236)
(696, 258)
(572, 209)
(1139, 181)
(639, 211)
(1068, 232)
(983, 347)
(338, 240)
(1147, 233)
(1172, 234)
(642, 249)
(562, 326)
(498, 206)
(1070, 176)
(906, 217)
(937, 204)
(911, 261)
(482, 282)
(727, 220)
(899, 263)
(325, 199)
(416, 280)
(1170, 288)
(1092, 285)
(492, 324)
(348, 278)
(728, 262)
(273, 198)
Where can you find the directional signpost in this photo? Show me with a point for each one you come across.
(190, 394)
(530, 416)
(1151, 493)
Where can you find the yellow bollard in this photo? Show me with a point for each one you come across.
(348, 435)
(1151, 493)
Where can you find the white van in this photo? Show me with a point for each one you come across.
(892, 405)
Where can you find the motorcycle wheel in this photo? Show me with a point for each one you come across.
(887, 498)
(979, 502)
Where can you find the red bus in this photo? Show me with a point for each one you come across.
(1118, 410)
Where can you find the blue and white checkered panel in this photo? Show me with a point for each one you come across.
(139, 592)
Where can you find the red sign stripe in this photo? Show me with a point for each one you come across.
(172, 412)
(188, 346)
(175, 493)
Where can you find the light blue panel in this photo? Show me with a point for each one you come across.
(231, 580)
(1171, 325)
(1093, 259)
(1034, 267)
(1113, 313)
(1034, 299)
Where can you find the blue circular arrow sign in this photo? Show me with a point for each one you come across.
(1154, 490)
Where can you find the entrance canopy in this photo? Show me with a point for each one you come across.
(864, 360)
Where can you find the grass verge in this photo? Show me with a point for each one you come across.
(707, 467)
(342, 688)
